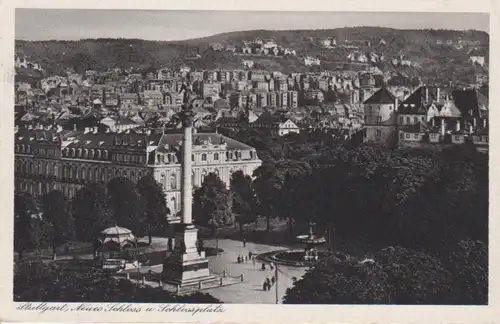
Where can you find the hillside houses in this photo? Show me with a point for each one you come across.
(21, 61)
(311, 61)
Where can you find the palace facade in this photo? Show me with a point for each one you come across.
(48, 159)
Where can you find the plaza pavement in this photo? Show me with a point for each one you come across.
(250, 290)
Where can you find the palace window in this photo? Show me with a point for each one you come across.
(415, 136)
(173, 181)
(407, 135)
(216, 156)
(203, 157)
(408, 120)
(174, 203)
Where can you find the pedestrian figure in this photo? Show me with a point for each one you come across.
(264, 286)
(244, 242)
(253, 260)
(263, 266)
(249, 255)
(268, 281)
(273, 280)
(246, 259)
(239, 259)
(271, 266)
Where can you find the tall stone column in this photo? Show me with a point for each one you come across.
(186, 185)
(186, 266)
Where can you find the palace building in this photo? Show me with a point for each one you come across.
(48, 159)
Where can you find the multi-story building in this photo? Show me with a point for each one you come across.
(380, 117)
(425, 122)
(272, 99)
(262, 99)
(282, 99)
(152, 98)
(281, 85)
(293, 99)
(210, 76)
(210, 89)
(278, 124)
(257, 75)
(195, 76)
(129, 99)
(55, 159)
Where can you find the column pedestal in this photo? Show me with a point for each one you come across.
(185, 266)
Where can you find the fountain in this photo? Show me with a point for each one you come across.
(311, 240)
(300, 258)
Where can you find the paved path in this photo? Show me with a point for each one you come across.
(250, 290)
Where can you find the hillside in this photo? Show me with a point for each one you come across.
(432, 60)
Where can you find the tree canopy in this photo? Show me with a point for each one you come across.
(398, 275)
(81, 282)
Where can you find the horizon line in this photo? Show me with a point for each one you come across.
(244, 30)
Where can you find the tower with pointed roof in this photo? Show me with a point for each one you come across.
(380, 117)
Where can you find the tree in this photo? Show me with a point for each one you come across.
(291, 172)
(91, 212)
(337, 281)
(154, 201)
(24, 207)
(128, 208)
(468, 262)
(267, 187)
(396, 275)
(212, 204)
(243, 199)
(55, 211)
(81, 282)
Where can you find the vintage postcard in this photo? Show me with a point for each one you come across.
(249, 162)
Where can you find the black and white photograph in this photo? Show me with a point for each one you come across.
(250, 157)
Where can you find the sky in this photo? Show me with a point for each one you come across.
(70, 24)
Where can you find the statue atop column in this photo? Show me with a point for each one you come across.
(186, 113)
